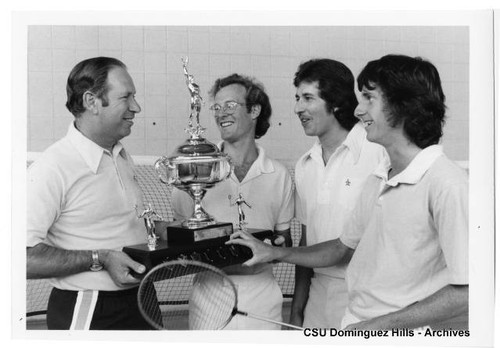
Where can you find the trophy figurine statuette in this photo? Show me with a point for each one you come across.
(150, 218)
(195, 166)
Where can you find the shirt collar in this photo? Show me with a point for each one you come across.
(353, 142)
(414, 171)
(261, 165)
(90, 151)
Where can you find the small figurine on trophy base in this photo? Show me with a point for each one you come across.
(150, 216)
(241, 214)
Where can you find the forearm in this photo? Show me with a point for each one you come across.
(44, 261)
(303, 277)
(452, 301)
(319, 255)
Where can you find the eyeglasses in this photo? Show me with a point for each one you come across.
(228, 107)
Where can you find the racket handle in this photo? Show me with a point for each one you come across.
(258, 317)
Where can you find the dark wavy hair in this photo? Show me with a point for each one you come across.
(335, 85)
(256, 95)
(89, 75)
(412, 90)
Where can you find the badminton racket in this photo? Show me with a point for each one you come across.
(190, 295)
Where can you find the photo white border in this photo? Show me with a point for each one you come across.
(480, 160)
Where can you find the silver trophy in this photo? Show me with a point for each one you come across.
(196, 165)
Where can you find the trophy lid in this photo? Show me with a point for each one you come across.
(196, 147)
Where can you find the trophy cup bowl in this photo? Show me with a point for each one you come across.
(195, 166)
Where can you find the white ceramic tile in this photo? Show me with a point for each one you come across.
(220, 65)
(220, 42)
(155, 106)
(138, 129)
(157, 147)
(110, 38)
(260, 42)
(240, 43)
(110, 53)
(261, 66)
(63, 60)
(63, 36)
(356, 33)
(39, 36)
(281, 67)
(155, 40)
(198, 42)
(138, 79)
(176, 85)
(61, 125)
(82, 54)
(460, 92)
(40, 59)
(299, 43)
(155, 62)
(199, 64)
(134, 60)
(177, 41)
(39, 145)
(375, 49)
(241, 64)
(87, 37)
(156, 127)
(320, 46)
(155, 84)
(280, 44)
(135, 147)
(59, 107)
(461, 54)
(444, 52)
(40, 83)
(41, 127)
(461, 35)
(132, 39)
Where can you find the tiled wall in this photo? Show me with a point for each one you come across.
(271, 54)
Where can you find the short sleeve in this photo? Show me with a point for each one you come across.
(44, 200)
(287, 205)
(451, 216)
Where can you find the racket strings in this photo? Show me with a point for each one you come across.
(181, 297)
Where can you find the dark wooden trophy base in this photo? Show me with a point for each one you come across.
(204, 244)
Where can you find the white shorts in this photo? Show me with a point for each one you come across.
(258, 294)
(327, 302)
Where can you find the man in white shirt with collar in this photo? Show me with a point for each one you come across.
(242, 110)
(328, 180)
(82, 195)
(408, 236)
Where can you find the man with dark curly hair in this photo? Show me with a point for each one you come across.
(408, 235)
(242, 110)
(328, 181)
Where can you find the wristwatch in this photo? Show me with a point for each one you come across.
(96, 264)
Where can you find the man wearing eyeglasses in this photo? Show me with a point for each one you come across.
(241, 111)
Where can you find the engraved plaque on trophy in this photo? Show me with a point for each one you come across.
(195, 166)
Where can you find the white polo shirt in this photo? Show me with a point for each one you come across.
(82, 197)
(410, 234)
(326, 195)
